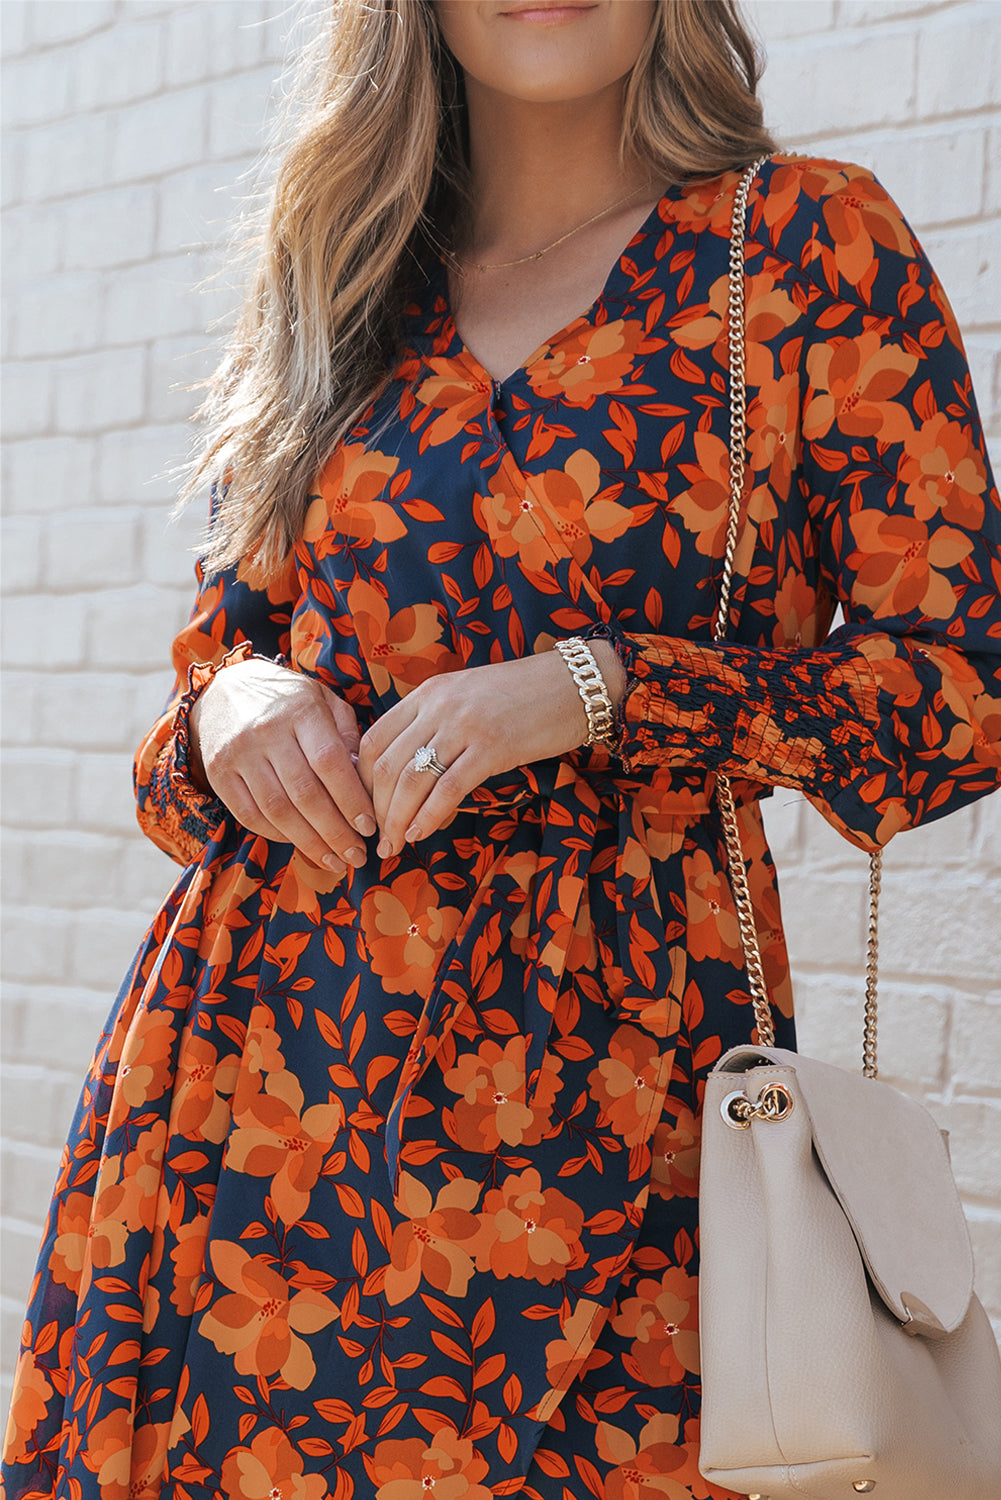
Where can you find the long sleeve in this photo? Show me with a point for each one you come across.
(895, 717)
(235, 615)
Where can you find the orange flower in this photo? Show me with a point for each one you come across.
(223, 916)
(854, 382)
(127, 1461)
(141, 1178)
(403, 649)
(587, 361)
(796, 621)
(188, 1255)
(406, 932)
(346, 504)
(312, 645)
(944, 473)
(200, 1111)
(275, 1137)
(28, 1406)
(459, 391)
(657, 1465)
(858, 213)
(571, 496)
(492, 1110)
(145, 1071)
(667, 811)
(529, 1231)
(676, 1150)
(507, 514)
(429, 1245)
(447, 1467)
(262, 1051)
(627, 1084)
(270, 1469)
(770, 310)
(302, 883)
(773, 441)
(898, 561)
(662, 1320)
(280, 587)
(259, 1320)
(703, 506)
(713, 930)
(69, 1251)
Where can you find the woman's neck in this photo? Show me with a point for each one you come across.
(540, 169)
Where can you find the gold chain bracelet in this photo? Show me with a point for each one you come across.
(591, 685)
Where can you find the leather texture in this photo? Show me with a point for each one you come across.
(818, 1233)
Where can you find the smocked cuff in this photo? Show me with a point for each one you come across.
(791, 717)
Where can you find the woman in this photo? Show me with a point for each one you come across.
(384, 1178)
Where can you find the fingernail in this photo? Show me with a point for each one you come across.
(334, 862)
(356, 857)
(384, 849)
(412, 833)
(365, 825)
(354, 757)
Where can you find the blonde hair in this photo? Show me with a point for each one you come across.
(368, 184)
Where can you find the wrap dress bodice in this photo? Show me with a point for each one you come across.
(388, 1183)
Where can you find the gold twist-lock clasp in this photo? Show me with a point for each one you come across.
(775, 1102)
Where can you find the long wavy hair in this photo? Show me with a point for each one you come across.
(371, 177)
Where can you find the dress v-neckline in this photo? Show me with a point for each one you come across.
(457, 342)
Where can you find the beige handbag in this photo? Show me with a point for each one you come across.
(843, 1350)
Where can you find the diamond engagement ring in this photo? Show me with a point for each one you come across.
(427, 760)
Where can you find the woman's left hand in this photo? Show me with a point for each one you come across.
(481, 721)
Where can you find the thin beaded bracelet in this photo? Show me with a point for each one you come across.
(591, 685)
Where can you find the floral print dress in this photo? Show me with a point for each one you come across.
(387, 1186)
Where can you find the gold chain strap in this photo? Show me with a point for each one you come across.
(724, 791)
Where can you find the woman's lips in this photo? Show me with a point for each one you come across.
(551, 15)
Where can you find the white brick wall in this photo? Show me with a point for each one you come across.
(128, 126)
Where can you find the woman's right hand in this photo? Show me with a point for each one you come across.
(279, 750)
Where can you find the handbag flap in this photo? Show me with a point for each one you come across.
(887, 1163)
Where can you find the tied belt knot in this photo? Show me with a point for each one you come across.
(566, 800)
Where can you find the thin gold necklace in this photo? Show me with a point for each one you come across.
(500, 265)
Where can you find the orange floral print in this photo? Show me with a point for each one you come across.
(435, 1242)
(587, 361)
(713, 930)
(201, 1095)
(703, 505)
(310, 1218)
(491, 1110)
(860, 215)
(188, 1257)
(270, 1468)
(128, 1464)
(627, 1083)
(458, 389)
(903, 566)
(582, 510)
(348, 504)
(445, 1466)
(260, 1318)
(676, 1151)
(662, 1321)
(944, 474)
(854, 382)
(30, 1403)
(506, 513)
(403, 647)
(405, 930)
(275, 1136)
(527, 1230)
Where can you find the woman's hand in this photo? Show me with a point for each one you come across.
(481, 721)
(279, 750)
